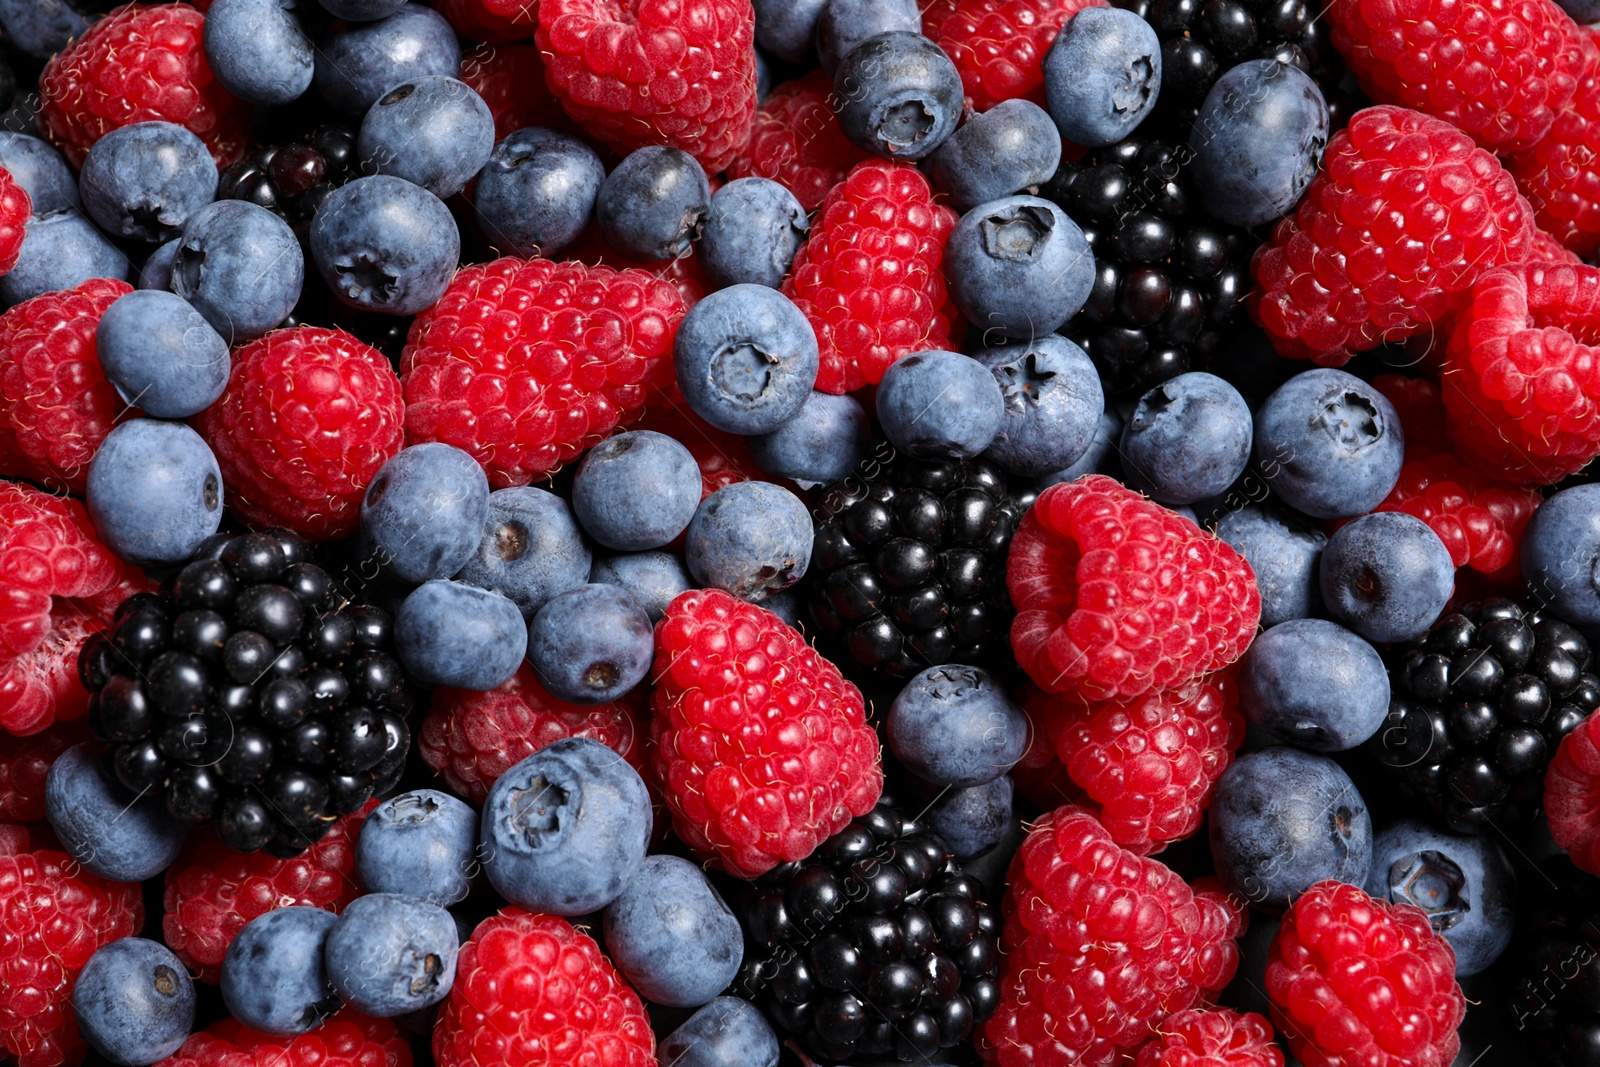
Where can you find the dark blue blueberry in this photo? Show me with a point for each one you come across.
(1018, 267)
(635, 491)
(362, 10)
(754, 228)
(940, 405)
(1053, 404)
(134, 1001)
(787, 605)
(954, 725)
(590, 645)
(423, 842)
(1011, 148)
(1284, 548)
(728, 1032)
(1101, 457)
(356, 64)
(1102, 75)
(1283, 820)
(652, 579)
(40, 169)
(425, 511)
(274, 978)
(257, 50)
(565, 829)
(241, 267)
(764, 81)
(1188, 439)
(975, 819)
(60, 251)
(751, 539)
(530, 550)
(145, 181)
(154, 491)
(537, 192)
(433, 131)
(103, 826)
(822, 443)
(161, 354)
(156, 271)
(1561, 554)
(746, 359)
(1387, 576)
(898, 96)
(672, 936)
(391, 953)
(41, 28)
(1314, 684)
(844, 24)
(1465, 885)
(1583, 12)
(385, 244)
(652, 207)
(1258, 141)
(1329, 444)
(788, 28)
(460, 635)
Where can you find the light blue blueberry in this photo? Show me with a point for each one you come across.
(531, 548)
(1053, 400)
(537, 192)
(104, 827)
(653, 579)
(241, 267)
(161, 355)
(751, 539)
(671, 934)
(145, 181)
(434, 131)
(154, 491)
(425, 511)
(637, 490)
(940, 405)
(822, 443)
(455, 634)
(1102, 75)
(1011, 148)
(60, 251)
(257, 50)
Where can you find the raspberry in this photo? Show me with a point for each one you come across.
(635, 73)
(796, 141)
(1405, 213)
(1357, 980)
(1546, 249)
(139, 64)
(532, 990)
(308, 417)
(869, 277)
(346, 1040)
(510, 78)
(15, 209)
(1481, 523)
(1561, 174)
(52, 918)
(1117, 596)
(213, 891)
(56, 405)
(1420, 405)
(1572, 795)
(684, 273)
(527, 363)
(498, 22)
(1039, 775)
(1212, 1037)
(1100, 946)
(24, 763)
(999, 45)
(761, 747)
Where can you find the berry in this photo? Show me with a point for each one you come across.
(636, 491)
(844, 25)
(293, 180)
(274, 979)
(426, 510)
(494, 21)
(42, 686)
(389, 954)
(61, 252)
(423, 842)
(510, 78)
(1018, 267)
(975, 819)
(257, 51)
(590, 645)
(899, 95)
(1387, 576)
(537, 192)
(158, 352)
(940, 405)
(999, 46)
(1559, 550)
(154, 491)
(752, 232)
(1284, 549)
(796, 141)
(752, 539)
(1101, 75)
(15, 208)
(25, 763)
(824, 442)
(1558, 174)
(433, 131)
(672, 935)
(1329, 444)
(726, 1031)
(145, 181)
(108, 829)
(241, 267)
(452, 633)
(1188, 439)
(1312, 683)
(1571, 796)
(346, 1040)
(359, 62)
(654, 204)
(1554, 966)
(1011, 148)
(1200, 1036)
(746, 358)
(652, 579)
(955, 727)
(718, 663)
(531, 549)
(133, 1001)
(1053, 404)
(41, 172)
(386, 245)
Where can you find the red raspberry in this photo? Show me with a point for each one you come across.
(1100, 946)
(346, 1040)
(52, 918)
(761, 747)
(796, 141)
(308, 417)
(15, 209)
(869, 277)
(527, 363)
(1561, 174)
(15, 839)
(213, 891)
(684, 274)
(1481, 523)
(1039, 775)
(1420, 406)
(1353, 980)
(24, 762)
(1117, 596)
(1212, 1037)
(533, 991)
(510, 78)
(1404, 214)
(1546, 249)
(495, 21)
(634, 73)
(999, 45)
(56, 405)
(1572, 795)
(140, 63)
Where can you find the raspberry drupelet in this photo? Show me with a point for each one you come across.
(346, 1040)
(999, 45)
(15, 209)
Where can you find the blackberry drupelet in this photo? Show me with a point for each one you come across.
(249, 696)
(910, 562)
(1477, 709)
(292, 180)
(1555, 983)
(878, 945)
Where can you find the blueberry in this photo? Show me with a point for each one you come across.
(746, 359)
(103, 826)
(1329, 444)
(787, 605)
(1258, 141)
(954, 725)
(1101, 457)
(764, 80)
(161, 355)
(1053, 404)
(423, 842)
(975, 819)
(434, 131)
(652, 579)
(1387, 576)
(134, 1001)
(1465, 885)
(60, 251)
(728, 1032)
(537, 192)
(460, 635)
(788, 28)
(357, 64)
(1583, 12)
(822, 443)
(40, 169)
(897, 95)
(590, 645)
(672, 936)
(1102, 75)
(362, 10)
(1018, 267)
(1312, 683)
(1561, 554)
(1284, 548)
(751, 539)
(425, 511)
(844, 24)
(1283, 820)
(154, 491)
(1011, 148)
(257, 51)
(384, 244)
(1188, 439)
(241, 267)
(753, 229)
(530, 550)
(390, 953)
(565, 829)
(156, 271)
(273, 977)
(654, 204)
(636, 490)
(940, 405)
(145, 181)
(41, 28)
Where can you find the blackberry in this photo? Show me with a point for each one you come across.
(910, 560)
(249, 696)
(1477, 708)
(1555, 986)
(292, 180)
(878, 945)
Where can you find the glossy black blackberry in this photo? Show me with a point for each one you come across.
(1554, 998)
(1477, 708)
(878, 945)
(1168, 277)
(249, 696)
(909, 564)
(292, 180)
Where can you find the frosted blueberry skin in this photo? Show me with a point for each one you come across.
(384, 244)
(653, 206)
(1054, 404)
(392, 953)
(161, 355)
(241, 267)
(1329, 444)
(751, 539)
(671, 934)
(531, 548)
(590, 645)
(975, 819)
(1187, 439)
(899, 96)
(425, 511)
(434, 132)
(752, 232)
(154, 491)
(788, 28)
(728, 1032)
(537, 192)
(41, 170)
(1018, 268)
(940, 405)
(954, 725)
(1102, 75)
(104, 827)
(1312, 683)
(274, 978)
(145, 181)
(1284, 548)
(844, 24)
(636, 491)
(423, 842)
(60, 251)
(1387, 576)
(652, 579)
(822, 443)
(358, 63)
(257, 51)
(134, 1002)
(1011, 148)
(746, 358)
(1561, 554)
(455, 634)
